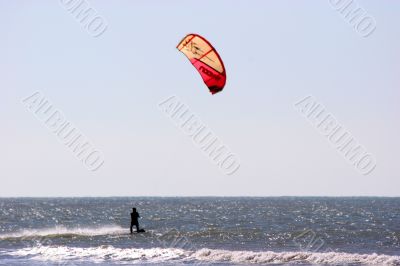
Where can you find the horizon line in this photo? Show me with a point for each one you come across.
(208, 196)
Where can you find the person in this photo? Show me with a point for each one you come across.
(134, 220)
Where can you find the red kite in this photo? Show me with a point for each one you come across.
(206, 60)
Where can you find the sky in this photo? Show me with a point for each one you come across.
(275, 53)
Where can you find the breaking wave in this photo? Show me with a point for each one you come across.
(60, 231)
(112, 254)
(296, 257)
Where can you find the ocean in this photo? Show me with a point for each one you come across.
(200, 231)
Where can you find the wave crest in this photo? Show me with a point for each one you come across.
(157, 255)
(334, 258)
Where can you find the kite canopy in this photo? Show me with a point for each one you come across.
(206, 60)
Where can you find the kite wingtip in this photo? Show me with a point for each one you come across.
(214, 90)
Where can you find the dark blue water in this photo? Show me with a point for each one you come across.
(207, 231)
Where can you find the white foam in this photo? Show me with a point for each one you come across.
(295, 257)
(99, 254)
(61, 230)
(157, 255)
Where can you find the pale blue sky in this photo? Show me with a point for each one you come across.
(275, 53)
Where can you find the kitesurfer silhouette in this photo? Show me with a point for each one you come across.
(134, 220)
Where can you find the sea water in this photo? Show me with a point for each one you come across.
(200, 231)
